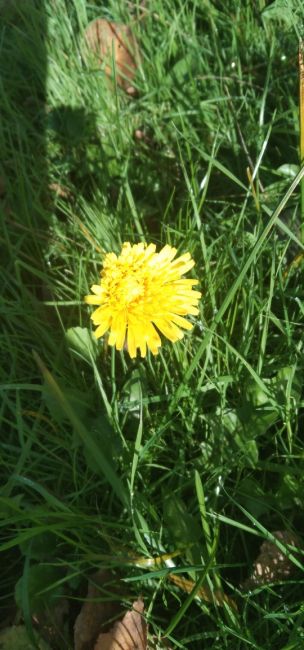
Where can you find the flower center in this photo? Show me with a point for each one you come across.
(130, 289)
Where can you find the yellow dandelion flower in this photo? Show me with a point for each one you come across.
(142, 293)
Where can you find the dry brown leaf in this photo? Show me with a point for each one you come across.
(93, 614)
(272, 565)
(128, 634)
(108, 40)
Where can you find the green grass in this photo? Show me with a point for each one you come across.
(199, 450)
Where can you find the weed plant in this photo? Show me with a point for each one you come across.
(196, 454)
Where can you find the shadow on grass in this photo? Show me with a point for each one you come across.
(23, 188)
(24, 171)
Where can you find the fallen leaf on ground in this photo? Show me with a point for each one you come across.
(128, 634)
(114, 41)
(272, 565)
(94, 612)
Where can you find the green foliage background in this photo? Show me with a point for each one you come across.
(200, 451)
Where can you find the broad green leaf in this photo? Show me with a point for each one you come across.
(82, 341)
(132, 391)
(288, 170)
(184, 528)
(108, 440)
(255, 395)
(43, 587)
(86, 436)
(40, 547)
(288, 384)
(253, 498)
